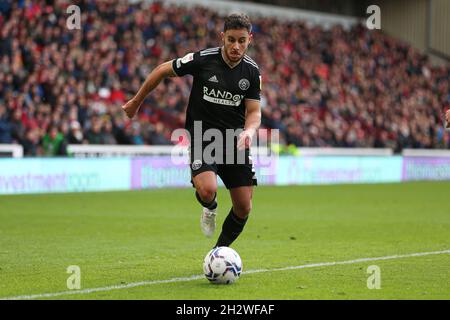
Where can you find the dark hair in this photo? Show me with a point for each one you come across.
(237, 21)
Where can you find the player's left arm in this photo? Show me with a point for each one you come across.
(252, 123)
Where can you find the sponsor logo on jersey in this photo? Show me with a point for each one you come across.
(222, 97)
(244, 84)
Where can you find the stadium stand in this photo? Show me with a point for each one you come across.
(321, 88)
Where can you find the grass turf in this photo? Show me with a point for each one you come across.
(120, 238)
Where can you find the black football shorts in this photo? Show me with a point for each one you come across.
(233, 173)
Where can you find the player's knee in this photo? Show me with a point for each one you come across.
(207, 193)
(243, 210)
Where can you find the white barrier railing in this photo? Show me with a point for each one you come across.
(78, 150)
(11, 150)
(92, 150)
(123, 150)
(426, 153)
(344, 152)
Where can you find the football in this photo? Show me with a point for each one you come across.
(222, 265)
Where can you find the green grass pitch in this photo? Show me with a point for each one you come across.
(123, 238)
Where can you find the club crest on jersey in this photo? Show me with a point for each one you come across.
(244, 84)
(196, 164)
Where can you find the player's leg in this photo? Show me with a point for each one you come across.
(234, 223)
(205, 184)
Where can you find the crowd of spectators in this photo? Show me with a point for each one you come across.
(321, 88)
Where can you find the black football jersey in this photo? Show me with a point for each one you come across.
(218, 92)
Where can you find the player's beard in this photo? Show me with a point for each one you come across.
(234, 56)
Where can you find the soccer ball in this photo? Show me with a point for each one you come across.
(222, 265)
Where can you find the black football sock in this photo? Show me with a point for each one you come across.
(231, 229)
(211, 206)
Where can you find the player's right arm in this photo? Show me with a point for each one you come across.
(189, 64)
(162, 71)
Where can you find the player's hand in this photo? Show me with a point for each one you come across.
(131, 108)
(447, 119)
(245, 139)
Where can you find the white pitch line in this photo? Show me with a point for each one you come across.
(197, 277)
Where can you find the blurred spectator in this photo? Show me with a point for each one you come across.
(119, 130)
(17, 126)
(136, 136)
(157, 135)
(54, 143)
(75, 135)
(94, 134)
(30, 144)
(5, 126)
(107, 133)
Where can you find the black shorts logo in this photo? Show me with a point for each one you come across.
(196, 164)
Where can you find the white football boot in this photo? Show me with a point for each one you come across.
(208, 222)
